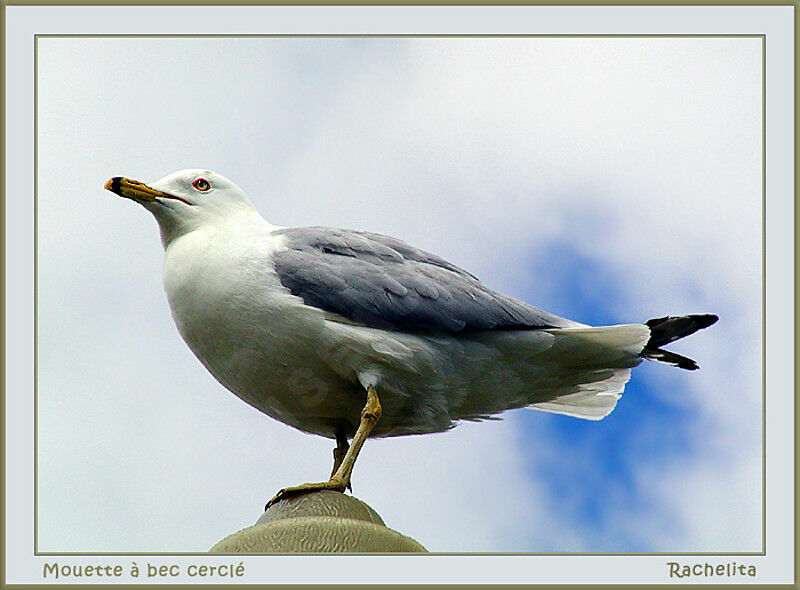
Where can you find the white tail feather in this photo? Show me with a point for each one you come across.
(590, 354)
(594, 401)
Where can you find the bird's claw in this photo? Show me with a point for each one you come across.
(307, 488)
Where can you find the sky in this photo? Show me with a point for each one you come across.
(608, 180)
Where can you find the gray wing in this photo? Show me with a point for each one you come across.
(383, 282)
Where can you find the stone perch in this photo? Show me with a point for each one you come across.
(319, 522)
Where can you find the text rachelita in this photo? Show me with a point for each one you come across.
(710, 570)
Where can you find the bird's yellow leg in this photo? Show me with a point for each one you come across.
(340, 480)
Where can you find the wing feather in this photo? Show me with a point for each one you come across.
(382, 282)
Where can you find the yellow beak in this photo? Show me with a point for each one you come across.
(137, 191)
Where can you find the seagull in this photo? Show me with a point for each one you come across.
(350, 334)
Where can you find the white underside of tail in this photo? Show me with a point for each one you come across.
(595, 401)
(592, 351)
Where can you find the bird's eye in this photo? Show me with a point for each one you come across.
(201, 184)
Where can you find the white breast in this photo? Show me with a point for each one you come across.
(243, 325)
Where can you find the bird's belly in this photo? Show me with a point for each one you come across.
(283, 359)
(262, 345)
(271, 364)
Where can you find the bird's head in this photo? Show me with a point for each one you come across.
(185, 200)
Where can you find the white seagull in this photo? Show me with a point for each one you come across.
(349, 334)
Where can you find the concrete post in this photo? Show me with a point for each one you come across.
(318, 522)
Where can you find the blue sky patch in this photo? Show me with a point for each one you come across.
(590, 469)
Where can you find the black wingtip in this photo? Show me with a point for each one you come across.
(670, 358)
(700, 320)
(705, 320)
(671, 328)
